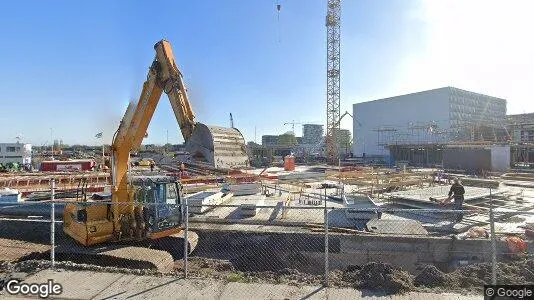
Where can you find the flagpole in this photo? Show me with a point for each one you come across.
(100, 136)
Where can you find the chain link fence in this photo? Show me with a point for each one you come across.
(291, 240)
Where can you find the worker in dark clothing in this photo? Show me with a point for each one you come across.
(457, 192)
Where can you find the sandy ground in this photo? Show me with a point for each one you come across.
(370, 279)
(101, 285)
(12, 250)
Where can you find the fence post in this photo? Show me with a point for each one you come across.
(186, 243)
(493, 244)
(326, 267)
(53, 223)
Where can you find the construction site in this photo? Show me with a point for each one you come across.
(370, 208)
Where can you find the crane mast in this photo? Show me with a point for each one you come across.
(333, 19)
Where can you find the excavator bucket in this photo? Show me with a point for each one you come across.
(220, 147)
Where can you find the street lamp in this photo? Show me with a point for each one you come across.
(52, 143)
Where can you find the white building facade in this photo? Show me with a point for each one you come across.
(16, 153)
(427, 117)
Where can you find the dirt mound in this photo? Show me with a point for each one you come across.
(507, 273)
(432, 277)
(380, 277)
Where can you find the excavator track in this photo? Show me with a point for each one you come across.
(157, 256)
(118, 256)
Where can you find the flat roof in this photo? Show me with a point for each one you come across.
(431, 90)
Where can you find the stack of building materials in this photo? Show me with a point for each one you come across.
(242, 189)
(251, 209)
(198, 202)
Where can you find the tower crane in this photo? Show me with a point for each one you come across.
(292, 123)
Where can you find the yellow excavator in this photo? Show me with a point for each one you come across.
(147, 207)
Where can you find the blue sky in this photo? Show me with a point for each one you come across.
(73, 66)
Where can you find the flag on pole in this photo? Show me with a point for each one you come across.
(99, 135)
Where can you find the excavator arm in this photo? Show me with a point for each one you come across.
(171, 80)
(221, 147)
(129, 136)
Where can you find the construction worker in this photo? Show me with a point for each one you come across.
(457, 192)
(152, 166)
(182, 168)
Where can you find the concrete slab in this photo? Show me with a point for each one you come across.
(149, 287)
(251, 209)
(424, 194)
(237, 290)
(242, 189)
(77, 285)
(197, 201)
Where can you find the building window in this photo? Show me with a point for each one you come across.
(11, 149)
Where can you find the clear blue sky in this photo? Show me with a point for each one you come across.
(73, 66)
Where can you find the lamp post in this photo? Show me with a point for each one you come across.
(52, 143)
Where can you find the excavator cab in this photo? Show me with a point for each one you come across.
(160, 198)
